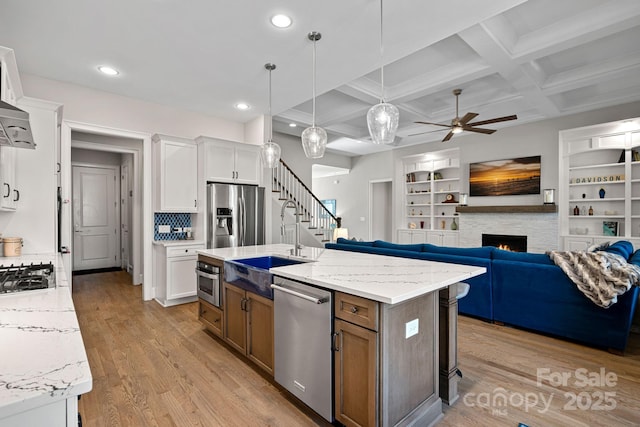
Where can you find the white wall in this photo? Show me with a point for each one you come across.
(352, 191)
(95, 107)
(80, 155)
(293, 156)
(539, 138)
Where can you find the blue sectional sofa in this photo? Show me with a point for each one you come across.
(525, 290)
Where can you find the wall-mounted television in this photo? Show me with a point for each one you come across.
(508, 177)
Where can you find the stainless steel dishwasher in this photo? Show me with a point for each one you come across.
(303, 356)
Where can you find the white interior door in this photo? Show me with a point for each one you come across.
(380, 206)
(95, 218)
(124, 215)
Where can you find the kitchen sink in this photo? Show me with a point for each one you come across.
(252, 274)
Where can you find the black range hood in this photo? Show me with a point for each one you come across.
(15, 130)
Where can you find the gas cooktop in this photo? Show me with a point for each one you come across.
(26, 277)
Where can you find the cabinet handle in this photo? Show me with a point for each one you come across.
(354, 309)
(17, 195)
(217, 320)
(8, 190)
(195, 203)
(243, 304)
(335, 342)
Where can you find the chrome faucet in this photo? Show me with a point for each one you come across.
(297, 246)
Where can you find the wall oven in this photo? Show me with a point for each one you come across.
(208, 283)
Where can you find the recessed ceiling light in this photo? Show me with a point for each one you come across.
(281, 21)
(242, 106)
(292, 125)
(109, 71)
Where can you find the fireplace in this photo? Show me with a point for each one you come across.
(505, 241)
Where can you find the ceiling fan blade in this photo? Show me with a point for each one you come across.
(422, 133)
(496, 120)
(448, 137)
(434, 124)
(469, 116)
(478, 130)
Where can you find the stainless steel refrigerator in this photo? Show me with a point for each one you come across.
(235, 215)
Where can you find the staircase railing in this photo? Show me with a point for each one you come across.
(318, 218)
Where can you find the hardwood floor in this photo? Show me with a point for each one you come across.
(155, 366)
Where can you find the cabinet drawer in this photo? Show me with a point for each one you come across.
(182, 251)
(211, 317)
(357, 310)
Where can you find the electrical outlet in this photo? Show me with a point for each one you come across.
(187, 229)
(164, 229)
(411, 328)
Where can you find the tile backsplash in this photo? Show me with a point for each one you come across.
(173, 220)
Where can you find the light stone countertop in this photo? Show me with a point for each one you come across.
(381, 278)
(42, 354)
(182, 242)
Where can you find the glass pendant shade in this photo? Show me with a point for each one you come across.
(314, 138)
(270, 151)
(382, 120)
(270, 154)
(314, 141)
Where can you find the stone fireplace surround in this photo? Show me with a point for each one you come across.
(541, 229)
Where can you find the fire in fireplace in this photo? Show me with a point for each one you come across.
(505, 241)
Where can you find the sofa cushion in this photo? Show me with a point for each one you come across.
(342, 240)
(400, 247)
(483, 252)
(635, 258)
(621, 247)
(521, 256)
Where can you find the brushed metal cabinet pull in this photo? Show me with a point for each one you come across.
(354, 309)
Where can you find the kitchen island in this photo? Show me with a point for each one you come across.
(44, 366)
(387, 313)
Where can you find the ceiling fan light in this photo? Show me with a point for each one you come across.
(456, 129)
(314, 142)
(382, 120)
(270, 154)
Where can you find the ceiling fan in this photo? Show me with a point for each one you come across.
(462, 124)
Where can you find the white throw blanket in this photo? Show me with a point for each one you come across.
(601, 276)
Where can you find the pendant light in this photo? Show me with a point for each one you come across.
(314, 139)
(270, 151)
(382, 119)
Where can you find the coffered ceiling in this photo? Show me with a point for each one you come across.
(538, 58)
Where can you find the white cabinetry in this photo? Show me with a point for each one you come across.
(174, 266)
(430, 195)
(176, 174)
(412, 236)
(10, 194)
(599, 198)
(443, 238)
(10, 90)
(226, 161)
(61, 413)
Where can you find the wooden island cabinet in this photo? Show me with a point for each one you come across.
(389, 367)
(248, 325)
(385, 361)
